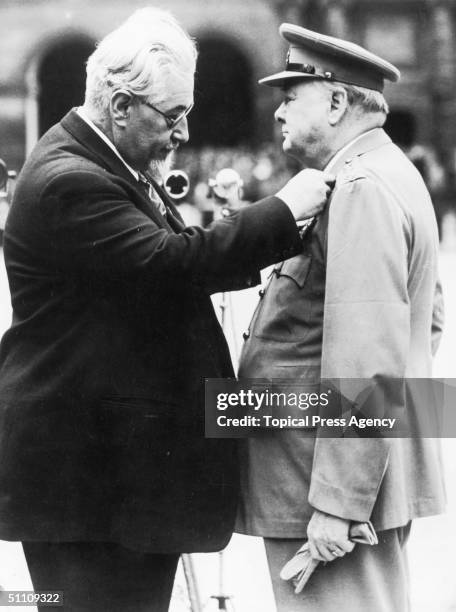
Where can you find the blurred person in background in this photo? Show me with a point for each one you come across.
(362, 302)
(105, 475)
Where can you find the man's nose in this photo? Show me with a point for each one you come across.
(279, 115)
(180, 132)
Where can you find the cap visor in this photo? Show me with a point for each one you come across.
(277, 80)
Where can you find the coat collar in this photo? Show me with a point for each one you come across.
(103, 155)
(81, 112)
(99, 151)
(373, 139)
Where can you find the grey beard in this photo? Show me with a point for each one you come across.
(159, 168)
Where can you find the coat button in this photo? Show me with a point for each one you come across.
(261, 293)
(246, 335)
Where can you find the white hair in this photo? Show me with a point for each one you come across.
(136, 56)
(367, 100)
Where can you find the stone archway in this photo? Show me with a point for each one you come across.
(61, 78)
(224, 104)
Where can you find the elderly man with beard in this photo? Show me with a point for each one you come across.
(105, 475)
(360, 305)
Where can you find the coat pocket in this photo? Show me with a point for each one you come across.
(285, 314)
(297, 269)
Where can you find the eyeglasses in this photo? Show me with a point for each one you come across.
(171, 121)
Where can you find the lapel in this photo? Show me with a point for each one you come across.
(99, 152)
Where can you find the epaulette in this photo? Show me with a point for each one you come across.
(351, 171)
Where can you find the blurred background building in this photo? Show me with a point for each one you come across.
(44, 45)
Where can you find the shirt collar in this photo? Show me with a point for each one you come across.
(82, 113)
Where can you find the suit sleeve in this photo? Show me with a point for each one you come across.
(96, 229)
(365, 336)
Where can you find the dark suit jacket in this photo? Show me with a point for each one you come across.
(102, 372)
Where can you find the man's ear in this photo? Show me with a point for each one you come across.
(338, 105)
(121, 102)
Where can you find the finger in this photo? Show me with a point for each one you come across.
(325, 551)
(336, 551)
(345, 545)
(331, 551)
(314, 552)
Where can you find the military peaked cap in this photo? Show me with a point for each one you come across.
(317, 56)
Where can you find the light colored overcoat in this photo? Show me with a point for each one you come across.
(362, 301)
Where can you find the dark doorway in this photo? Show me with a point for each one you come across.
(61, 78)
(401, 128)
(223, 113)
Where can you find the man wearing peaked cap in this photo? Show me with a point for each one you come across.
(362, 301)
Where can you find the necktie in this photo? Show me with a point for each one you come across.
(147, 187)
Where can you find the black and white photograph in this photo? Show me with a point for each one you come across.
(228, 305)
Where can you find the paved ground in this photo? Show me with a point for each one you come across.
(433, 540)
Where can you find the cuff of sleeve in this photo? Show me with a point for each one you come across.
(278, 207)
(332, 500)
(279, 202)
